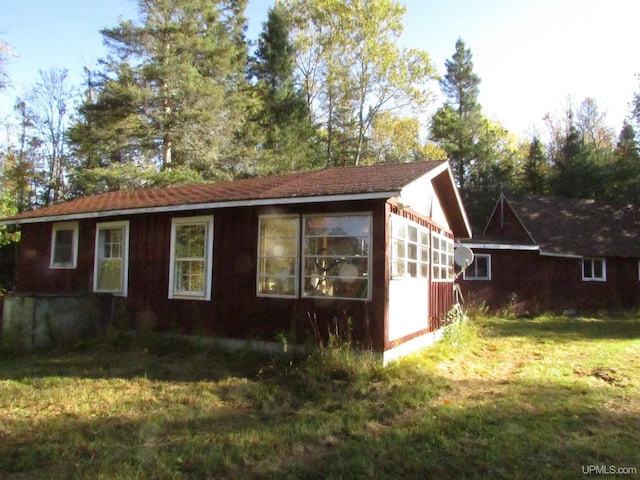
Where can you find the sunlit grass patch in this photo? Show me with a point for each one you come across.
(497, 398)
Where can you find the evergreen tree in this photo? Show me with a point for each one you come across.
(581, 152)
(534, 171)
(624, 184)
(170, 94)
(456, 126)
(283, 122)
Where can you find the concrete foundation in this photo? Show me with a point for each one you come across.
(35, 321)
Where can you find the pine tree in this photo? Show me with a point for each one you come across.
(534, 172)
(170, 94)
(624, 184)
(456, 126)
(282, 120)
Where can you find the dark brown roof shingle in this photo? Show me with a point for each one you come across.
(335, 181)
(579, 227)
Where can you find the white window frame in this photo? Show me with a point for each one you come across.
(471, 272)
(304, 256)
(61, 226)
(593, 278)
(423, 241)
(207, 220)
(100, 227)
(295, 277)
(437, 254)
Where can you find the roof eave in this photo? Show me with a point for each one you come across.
(203, 206)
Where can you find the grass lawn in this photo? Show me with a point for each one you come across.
(544, 398)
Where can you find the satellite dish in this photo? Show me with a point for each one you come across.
(463, 257)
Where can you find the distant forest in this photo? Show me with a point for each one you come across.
(183, 96)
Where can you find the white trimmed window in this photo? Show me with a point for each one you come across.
(337, 256)
(278, 257)
(442, 258)
(111, 258)
(594, 270)
(480, 268)
(409, 249)
(64, 245)
(190, 269)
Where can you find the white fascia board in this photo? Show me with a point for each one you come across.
(564, 255)
(498, 246)
(206, 206)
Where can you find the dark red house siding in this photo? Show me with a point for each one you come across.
(235, 311)
(531, 283)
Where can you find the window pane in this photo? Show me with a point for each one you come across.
(413, 233)
(350, 225)
(190, 276)
(337, 246)
(110, 275)
(597, 269)
(278, 255)
(63, 253)
(413, 251)
(424, 271)
(587, 269)
(398, 229)
(278, 266)
(412, 267)
(112, 245)
(482, 270)
(278, 285)
(190, 241)
(398, 268)
(336, 256)
(424, 237)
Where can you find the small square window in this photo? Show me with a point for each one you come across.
(64, 245)
(594, 270)
(480, 268)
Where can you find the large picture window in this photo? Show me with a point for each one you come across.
(442, 264)
(480, 268)
(409, 249)
(278, 256)
(64, 245)
(594, 269)
(111, 258)
(336, 259)
(190, 269)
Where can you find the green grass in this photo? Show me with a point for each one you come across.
(535, 398)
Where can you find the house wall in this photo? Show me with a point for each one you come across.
(235, 311)
(528, 283)
(415, 306)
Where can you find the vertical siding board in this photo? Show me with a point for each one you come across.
(235, 310)
(531, 283)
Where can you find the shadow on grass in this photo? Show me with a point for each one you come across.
(155, 357)
(353, 437)
(565, 329)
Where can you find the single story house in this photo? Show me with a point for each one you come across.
(370, 247)
(540, 253)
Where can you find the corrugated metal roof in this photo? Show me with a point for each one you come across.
(354, 181)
